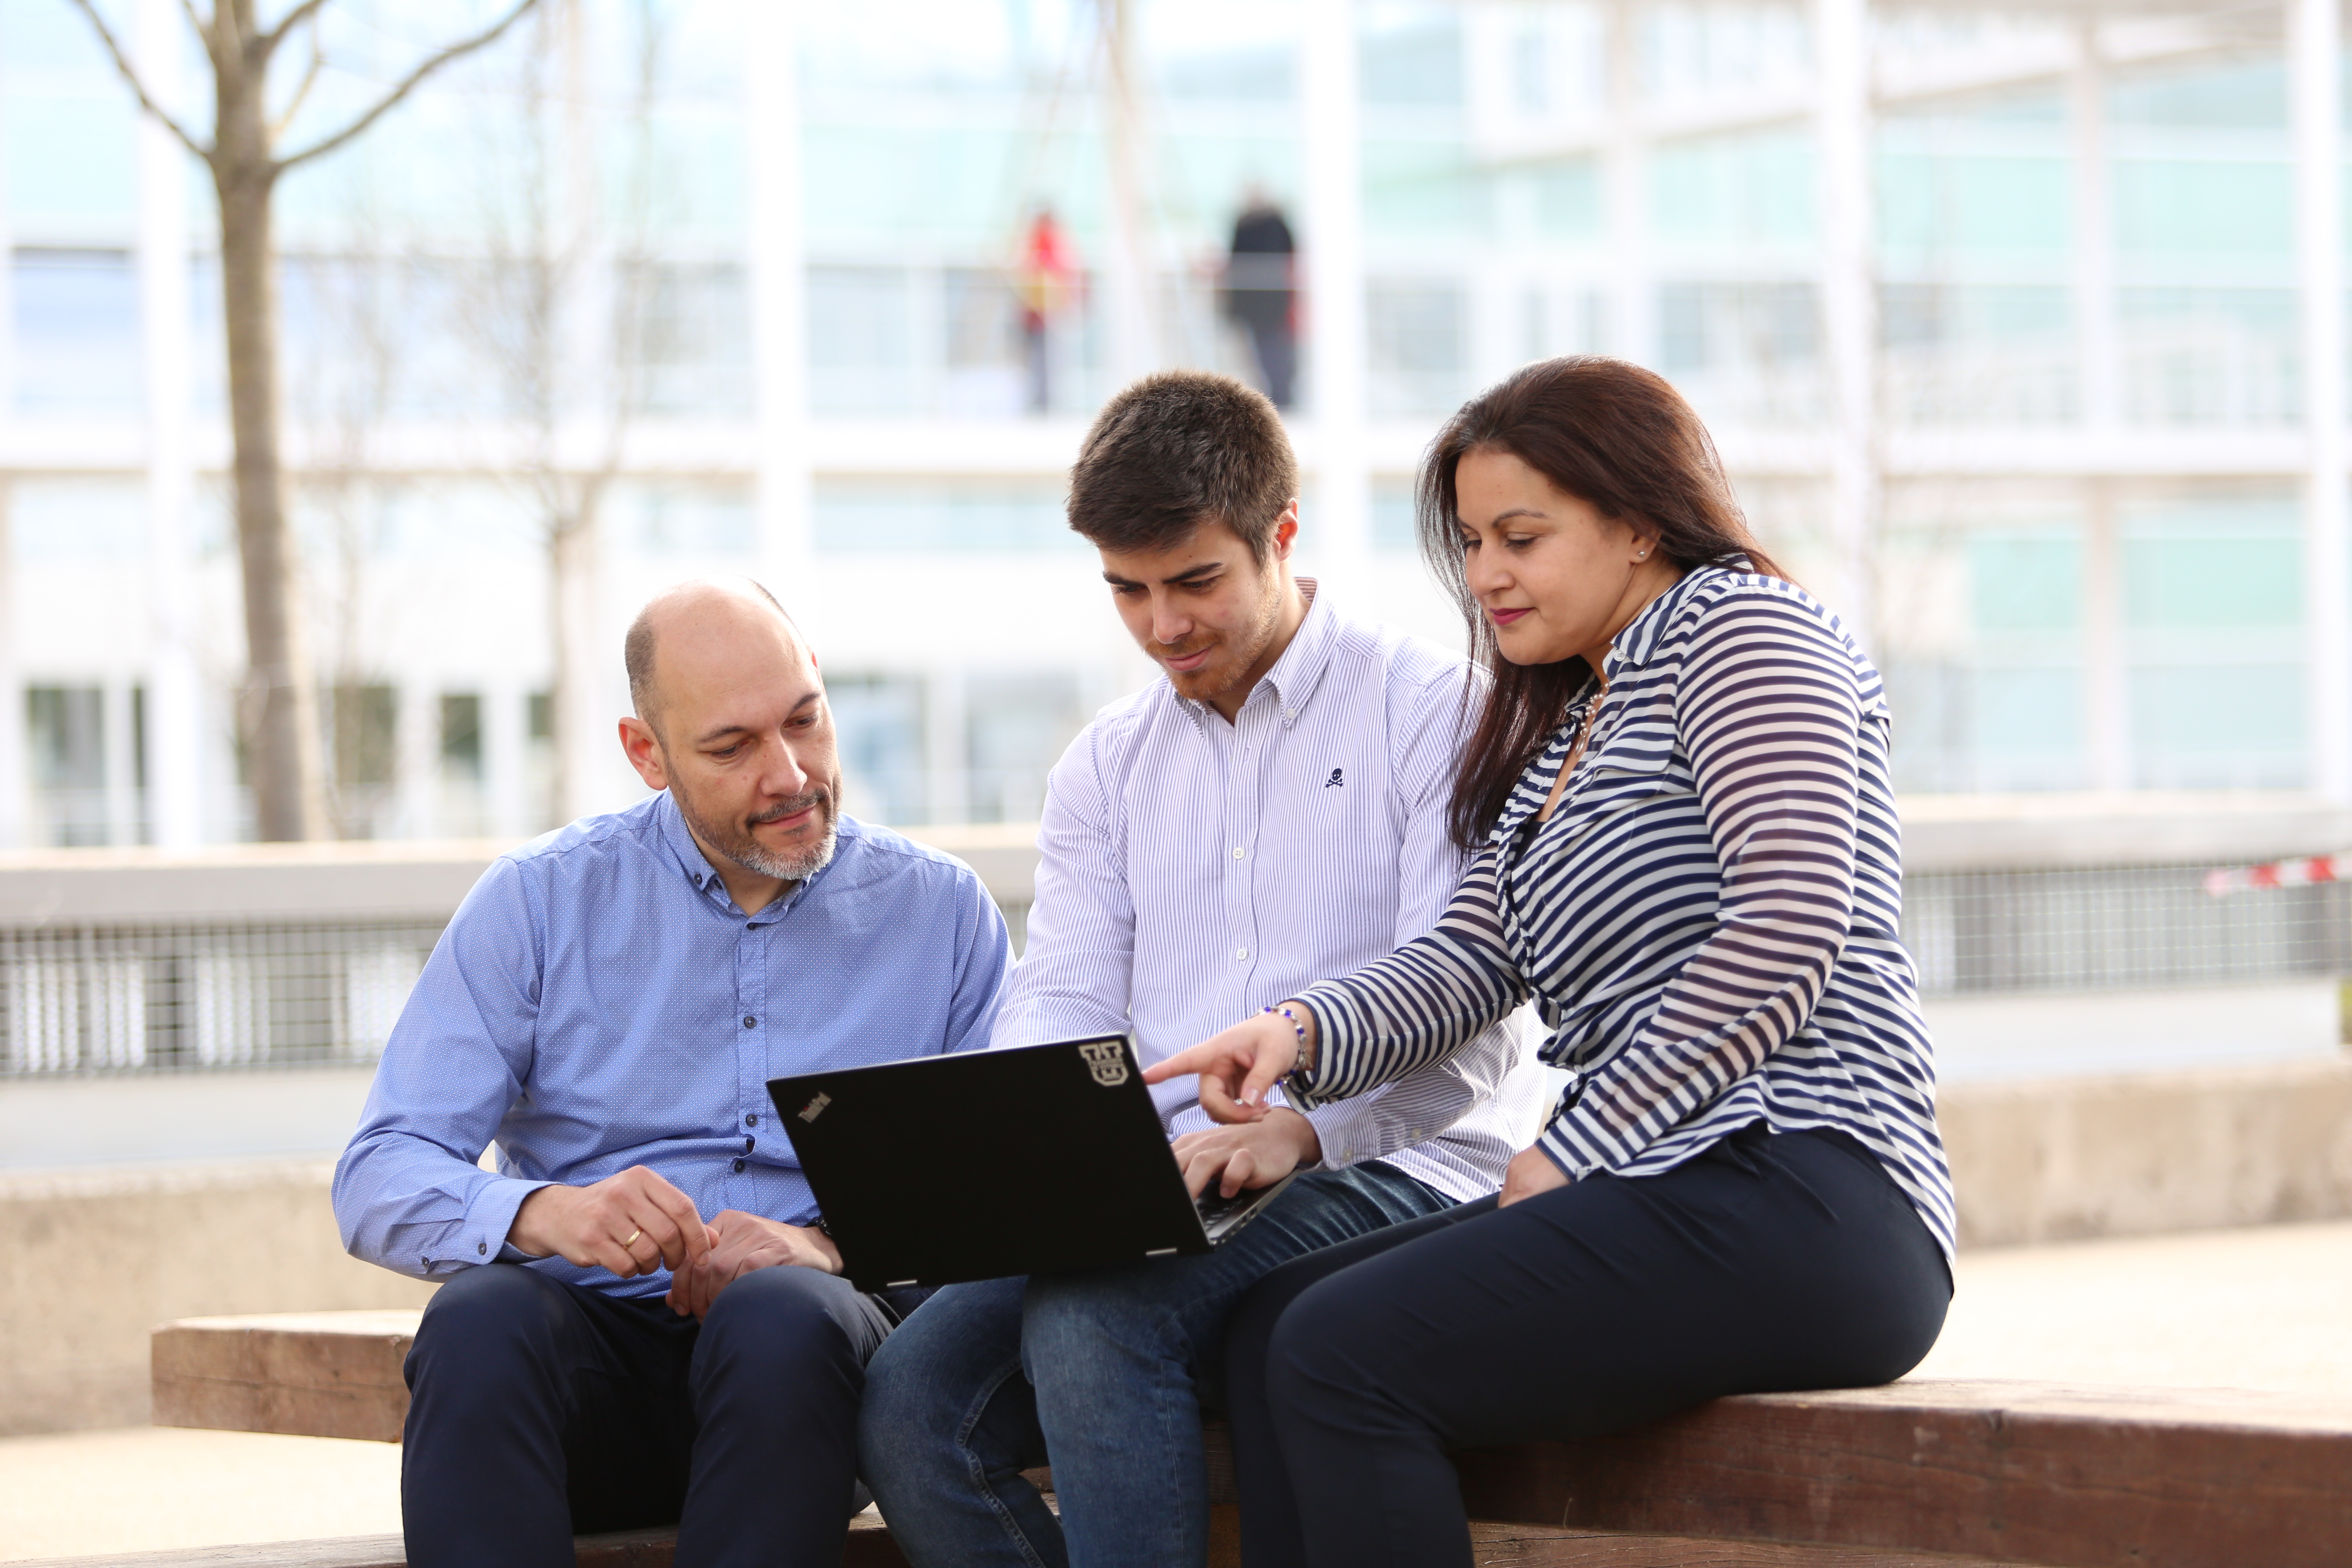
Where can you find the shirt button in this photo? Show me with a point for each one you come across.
(750, 1144)
(752, 1120)
(750, 1022)
(483, 1247)
(1237, 851)
(1241, 953)
(740, 1163)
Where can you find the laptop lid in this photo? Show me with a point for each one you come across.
(989, 1164)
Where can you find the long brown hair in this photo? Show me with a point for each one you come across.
(1617, 437)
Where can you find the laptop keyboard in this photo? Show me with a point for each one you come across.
(1215, 1206)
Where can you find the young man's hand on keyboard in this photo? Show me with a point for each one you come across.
(1253, 1154)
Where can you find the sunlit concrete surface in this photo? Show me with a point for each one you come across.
(2267, 1307)
(2091, 1033)
(2252, 1309)
(145, 1489)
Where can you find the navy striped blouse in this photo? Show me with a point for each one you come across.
(1708, 921)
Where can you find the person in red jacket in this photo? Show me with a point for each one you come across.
(1045, 280)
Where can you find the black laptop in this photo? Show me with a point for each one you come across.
(989, 1164)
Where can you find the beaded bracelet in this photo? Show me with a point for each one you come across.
(1298, 1060)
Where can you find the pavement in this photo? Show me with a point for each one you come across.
(2258, 1309)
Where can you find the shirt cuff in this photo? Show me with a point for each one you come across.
(1308, 1087)
(1556, 1150)
(482, 1236)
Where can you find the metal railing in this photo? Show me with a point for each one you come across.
(2117, 927)
(93, 999)
(100, 990)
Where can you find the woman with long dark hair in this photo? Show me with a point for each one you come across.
(1687, 854)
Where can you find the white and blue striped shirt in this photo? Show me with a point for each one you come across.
(1192, 871)
(1708, 922)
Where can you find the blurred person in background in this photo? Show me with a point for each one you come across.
(607, 1006)
(1045, 283)
(1261, 291)
(1272, 809)
(1686, 853)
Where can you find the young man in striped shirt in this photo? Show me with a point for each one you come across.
(1271, 813)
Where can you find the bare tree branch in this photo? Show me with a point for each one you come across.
(301, 90)
(131, 74)
(266, 44)
(462, 48)
(204, 28)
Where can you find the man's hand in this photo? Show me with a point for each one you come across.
(1254, 1155)
(1240, 1064)
(740, 1243)
(630, 1224)
(1531, 1172)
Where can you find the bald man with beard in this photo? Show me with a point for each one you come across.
(641, 1317)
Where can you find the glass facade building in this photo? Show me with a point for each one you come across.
(2021, 332)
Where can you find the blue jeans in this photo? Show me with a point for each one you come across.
(1100, 1373)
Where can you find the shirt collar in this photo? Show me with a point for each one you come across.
(682, 848)
(1299, 670)
(1633, 647)
(680, 839)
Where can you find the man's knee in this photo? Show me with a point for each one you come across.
(785, 1322)
(935, 1375)
(489, 1326)
(1074, 1324)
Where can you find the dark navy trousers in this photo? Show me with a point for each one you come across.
(539, 1409)
(1768, 1262)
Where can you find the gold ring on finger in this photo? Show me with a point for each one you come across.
(633, 1238)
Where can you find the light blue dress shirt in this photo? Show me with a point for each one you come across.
(599, 1002)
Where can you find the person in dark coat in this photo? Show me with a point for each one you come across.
(1261, 292)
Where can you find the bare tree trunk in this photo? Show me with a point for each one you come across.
(280, 717)
(280, 711)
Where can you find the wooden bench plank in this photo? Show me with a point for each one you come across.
(1918, 1473)
(2016, 1472)
(309, 1375)
(1492, 1546)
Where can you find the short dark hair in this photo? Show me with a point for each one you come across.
(1174, 450)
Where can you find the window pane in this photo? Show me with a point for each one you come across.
(66, 734)
(77, 322)
(1019, 726)
(851, 518)
(878, 720)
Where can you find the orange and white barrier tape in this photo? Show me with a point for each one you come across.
(2299, 873)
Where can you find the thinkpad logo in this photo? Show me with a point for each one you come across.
(1335, 780)
(816, 1107)
(1107, 1061)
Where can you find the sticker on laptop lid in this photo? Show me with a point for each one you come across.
(1107, 1061)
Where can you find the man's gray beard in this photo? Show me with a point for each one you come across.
(750, 853)
(797, 867)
